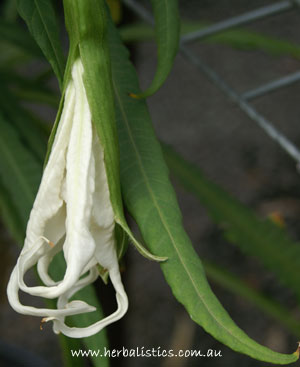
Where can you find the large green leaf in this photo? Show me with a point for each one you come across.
(151, 200)
(260, 238)
(167, 30)
(40, 18)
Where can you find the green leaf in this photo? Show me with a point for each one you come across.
(9, 10)
(32, 135)
(37, 95)
(95, 342)
(40, 18)
(247, 40)
(151, 201)
(260, 238)
(28, 89)
(10, 215)
(167, 30)
(237, 38)
(232, 283)
(68, 344)
(136, 32)
(15, 35)
(98, 341)
(19, 170)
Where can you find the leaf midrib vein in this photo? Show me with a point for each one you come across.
(50, 40)
(166, 227)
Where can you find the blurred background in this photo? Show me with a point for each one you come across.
(195, 117)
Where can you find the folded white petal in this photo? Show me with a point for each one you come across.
(72, 213)
(48, 200)
(79, 245)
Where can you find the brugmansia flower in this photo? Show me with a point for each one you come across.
(72, 213)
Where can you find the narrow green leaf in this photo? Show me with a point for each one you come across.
(28, 89)
(37, 95)
(10, 215)
(15, 34)
(232, 283)
(247, 40)
(40, 18)
(94, 342)
(19, 170)
(11, 56)
(9, 10)
(167, 30)
(137, 32)
(98, 341)
(34, 138)
(236, 38)
(68, 344)
(260, 238)
(151, 200)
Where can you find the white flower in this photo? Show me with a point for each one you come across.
(72, 213)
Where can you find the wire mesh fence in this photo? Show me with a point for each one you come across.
(242, 100)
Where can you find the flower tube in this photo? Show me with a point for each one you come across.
(72, 213)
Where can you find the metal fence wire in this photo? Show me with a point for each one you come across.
(242, 100)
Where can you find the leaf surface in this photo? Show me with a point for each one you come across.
(167, 31)
(41, 20)
(238, 38)
(151, 201)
